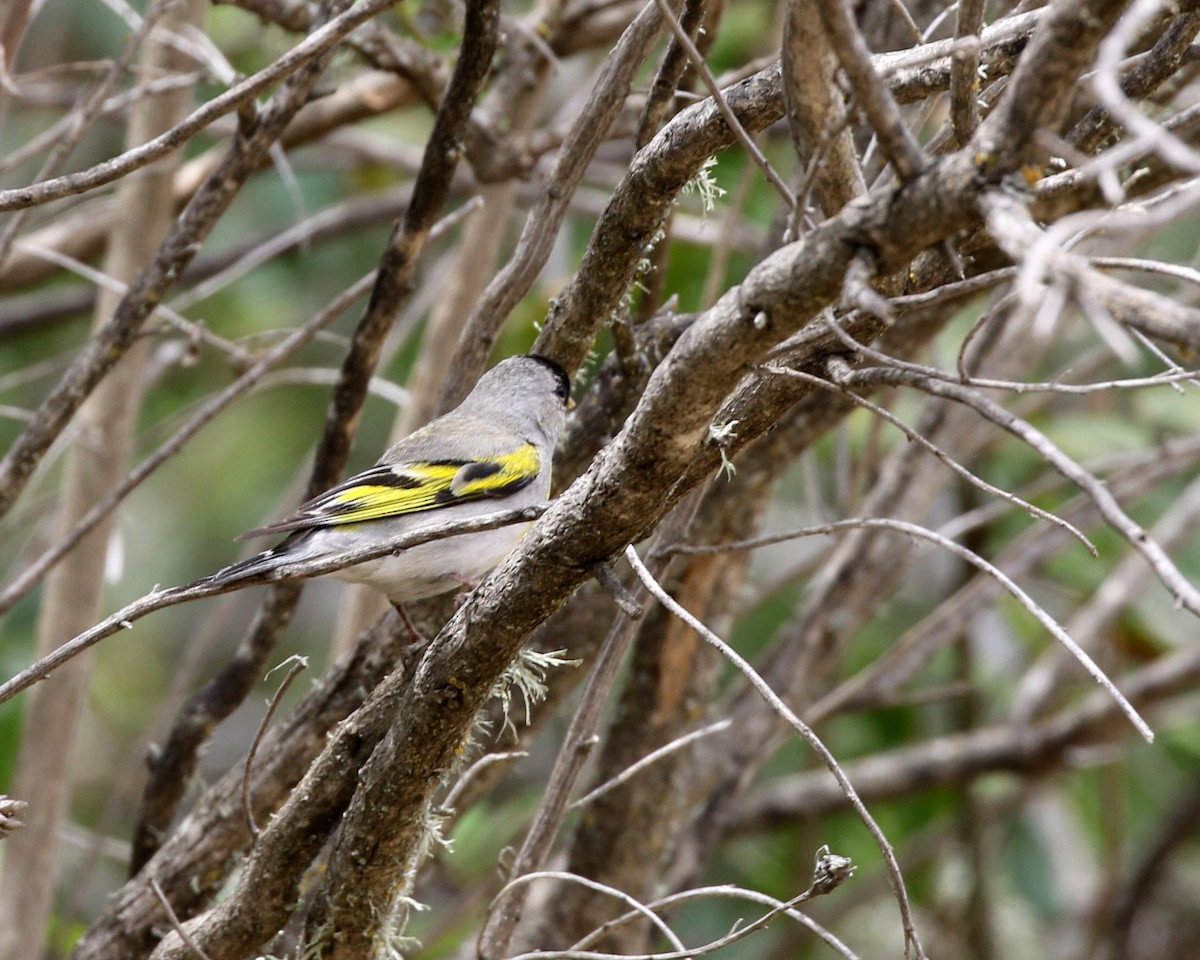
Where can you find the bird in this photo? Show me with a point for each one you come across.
(492, 452)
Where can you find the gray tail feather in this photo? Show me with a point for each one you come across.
(251, 568)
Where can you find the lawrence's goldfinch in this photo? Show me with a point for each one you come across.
(492, 452)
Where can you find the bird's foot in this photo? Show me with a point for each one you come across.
(468, 585)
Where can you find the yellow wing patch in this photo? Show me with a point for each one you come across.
(496, 478)
(413, 487)
(398, 489)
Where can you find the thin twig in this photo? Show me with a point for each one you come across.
(891, 670)
(114, 337)
(196, 332)
(872, 95)
(649, 759)
(964, 70)
(837, 367)
(9, 808)
(546, 215)
(616, 589)
(1185, 594)
(747, 142)
(318, 224)
(311, 47)
(964, 379)
(124, 618)
(1176, 372)
(911, 940)
(175, 924)
(640, 909)
(1121, 589)
(738, 932)
(298, 663)
(1177, 270)
(35, 571)
(858, 294)
(505, 910)
(975, 560)
(84, 116)
(1106, 81)
(818, 888)
(464, 780)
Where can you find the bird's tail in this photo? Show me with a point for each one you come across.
(257, 568)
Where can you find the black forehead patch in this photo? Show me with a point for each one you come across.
(563, 388)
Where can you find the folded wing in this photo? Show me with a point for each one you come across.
(393, 490)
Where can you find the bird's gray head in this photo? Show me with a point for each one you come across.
(531, 390)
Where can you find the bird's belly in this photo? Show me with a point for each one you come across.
(435, 567)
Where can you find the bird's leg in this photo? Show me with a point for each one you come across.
(417, 637)
(411, 654)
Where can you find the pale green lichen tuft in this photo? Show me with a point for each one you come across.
(528, 675)
(720, 434)
(393, 944)
(705, 186)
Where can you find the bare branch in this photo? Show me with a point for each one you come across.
(1142, 80)
(973, 558)
(639, 909)
(298, 664)
(177, 250)
(84, 115)
(1038, 92)
(1145, 132)
(964, 70)
(124, 618)
(393, 277)
(817, 116)
(1164, 568)
(710, 81)
(960, 757)
(9, 808)
(1029, 205)
(871, 94)
(537, 236)
(316, 46)
(497, 933)
(820, 886)
(911, 941)
(739, 932)
(839, 370)
(194, 861)
(175, 924)
(649, 760)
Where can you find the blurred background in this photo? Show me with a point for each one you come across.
(1037, 838)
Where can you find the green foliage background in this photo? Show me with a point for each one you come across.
(247, 467)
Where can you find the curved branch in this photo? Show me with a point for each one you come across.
(213, 586)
